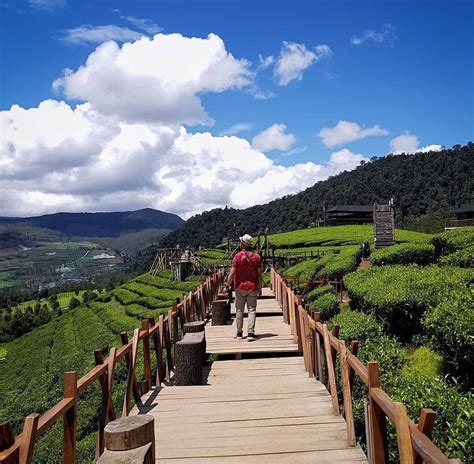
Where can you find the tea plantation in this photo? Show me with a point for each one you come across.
(31, 376)
(412, 310)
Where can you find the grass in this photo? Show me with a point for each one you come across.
(3, 350)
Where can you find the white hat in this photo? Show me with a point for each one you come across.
(246, 240)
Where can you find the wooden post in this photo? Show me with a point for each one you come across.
(70, 417)
(169, 358)
(354, 350)
(319, 365)
(131, 375)
(104, 410)
(405, 449)
(377, 420)
(28, 438)
(146, 355)
(425, 425)
(128, 360)
(331, 374)
(158, 352)
(346, 391)
(335, 332)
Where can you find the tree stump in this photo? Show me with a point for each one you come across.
(197, 327)
(188, 361)
(193, 327)
(130, 439)
(219, 311)
(141, 455)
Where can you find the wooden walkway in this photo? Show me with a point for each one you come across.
(258, 410)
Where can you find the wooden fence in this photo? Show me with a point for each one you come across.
(321, 349)
(162, 334)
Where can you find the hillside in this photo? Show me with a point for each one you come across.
(424, 183)
(111, 224)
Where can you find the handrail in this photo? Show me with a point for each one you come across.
(194, 305)
(320, 349)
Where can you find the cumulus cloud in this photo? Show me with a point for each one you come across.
(125, 145)
(237, 128)
(56, 157)
(386, 35)
(88, 34)
(155, 79)
(273, 138)
(346, 131)
(48, 5)
(294, 59)
(409, 144)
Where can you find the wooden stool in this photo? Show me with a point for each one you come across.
(219, 311)
(188, 360)
(129, 440)
(197, 327)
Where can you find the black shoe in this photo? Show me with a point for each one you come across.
(251, 337)
(238, 336)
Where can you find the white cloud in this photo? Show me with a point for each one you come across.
(295, 58)
(295, 151)
(155, 80)
(386, 35)
(265, 62)
(279, 180)
(144, 24)
(273, 138)
(405, 143)
(409, 144)
(237, 128)
(126, 147)
(88, 34)
(55, 157)
(48, 5)
(346, 131)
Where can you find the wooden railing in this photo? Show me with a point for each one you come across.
(162, 333)
(321, 348)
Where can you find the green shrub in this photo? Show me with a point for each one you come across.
(317, 292)
(355, 325)
(451, 327)
(304, 270)
(327, 305)
(421, 253)
(460, 258)
(450, 241)
(340, 264)
(399, 296)
(422, 363)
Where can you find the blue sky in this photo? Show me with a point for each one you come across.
(405, 68)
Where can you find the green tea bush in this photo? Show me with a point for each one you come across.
(422, 363)
(399, 296)
(460, 258)
(317, 292)
(340, 264)
(327, 305)
(355, 325)
(451, 327)
(421, 253)
(453, 240)
(303, 270)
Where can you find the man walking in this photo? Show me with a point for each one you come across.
(246, 274)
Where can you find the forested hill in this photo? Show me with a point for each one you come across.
(420, 184)
(102, 224)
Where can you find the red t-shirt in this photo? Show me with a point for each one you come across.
(246, 264)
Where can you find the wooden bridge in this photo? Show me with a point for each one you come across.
(276, 399)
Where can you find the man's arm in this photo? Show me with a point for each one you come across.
(230, 279)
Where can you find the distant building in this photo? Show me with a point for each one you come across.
(348, 214)
(464, 217)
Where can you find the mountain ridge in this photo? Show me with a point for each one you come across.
(421, 183)
(100, 224)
